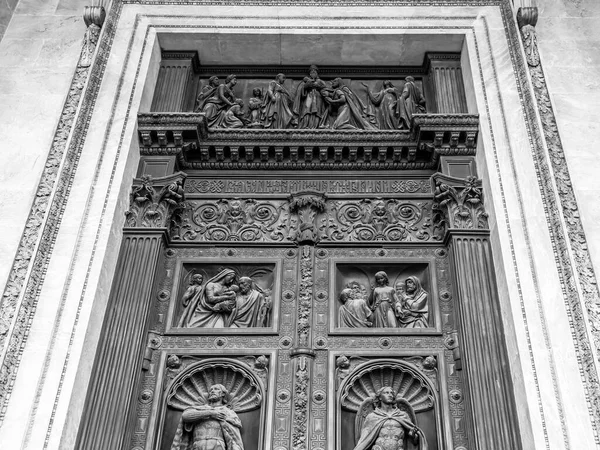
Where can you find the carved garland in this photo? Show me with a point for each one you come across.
(527, 18)
(17, 305)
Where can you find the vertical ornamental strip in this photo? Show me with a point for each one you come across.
(124, 335)
(481, 333)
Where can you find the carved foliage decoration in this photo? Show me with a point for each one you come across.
(576, 247)
(153, 202)
(380, 220)
(306, 219)
(191, 388)
(460, 202)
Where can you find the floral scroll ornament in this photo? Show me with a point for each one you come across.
(460, 202)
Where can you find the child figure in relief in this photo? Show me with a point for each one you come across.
(382, 301)
(354, 312)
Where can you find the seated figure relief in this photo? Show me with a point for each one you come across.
(221, 303)
(403, 306)
(311, 103)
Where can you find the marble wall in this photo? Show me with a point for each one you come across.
(569, 42)
(38, 54)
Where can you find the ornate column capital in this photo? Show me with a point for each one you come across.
(460, 202)
(155, 200)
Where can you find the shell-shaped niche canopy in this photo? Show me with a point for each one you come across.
(191, 387)
(405, 380)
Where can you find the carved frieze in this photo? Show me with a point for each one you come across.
(154, 201)
(308, 217)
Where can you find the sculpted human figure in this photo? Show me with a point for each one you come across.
(384, 102)
(351, 112)
(194, 289)
(206, 92)
(278, 105)
(220, 101)
(233, 117)
(212, 305)
(214, 426)
(389, 427)
(411, 102)
(309, 106)
(382, 301)
(354, 312)
(251, 308)
(255, 107)
(412, 310)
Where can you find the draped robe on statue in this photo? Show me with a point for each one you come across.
(375, 421)
(247, 312)
(200, 312)
(411, 102)
(230, 430)
(413, 308)
(278, 111)
(352, 113)
(354, 314)
(309, 106)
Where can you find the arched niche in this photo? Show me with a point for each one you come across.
(407, 380)
(190, 387)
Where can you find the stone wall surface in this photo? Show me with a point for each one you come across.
(38, 54)
(569, 43)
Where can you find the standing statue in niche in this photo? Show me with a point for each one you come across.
(390, 426)
(251, 309)
(206, 92)
(351, 112)
(382, 302)
(220, 101)
(411, 102)
(354, 312)
(412, 310)
(278, 105)
(309, 107)
(212, 305)
(214, 426)
(255, 108)
(384, 103)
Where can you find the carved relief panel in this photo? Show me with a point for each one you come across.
(282, 316)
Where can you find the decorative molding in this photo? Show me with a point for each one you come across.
(20, 297)
(395, 186)
(567, 217)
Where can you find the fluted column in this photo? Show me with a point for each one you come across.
(175, 85)
(118, 363)
(447, 80)
(480, 329)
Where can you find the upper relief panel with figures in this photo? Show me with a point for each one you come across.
(310, 102)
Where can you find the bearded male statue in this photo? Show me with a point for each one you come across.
(390, 426)
(214, 426)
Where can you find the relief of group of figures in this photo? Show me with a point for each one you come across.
(313, 104)
(402, 306)
(225, 301)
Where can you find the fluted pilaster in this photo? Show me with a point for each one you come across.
(119, 360)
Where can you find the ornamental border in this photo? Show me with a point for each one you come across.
(43, 233)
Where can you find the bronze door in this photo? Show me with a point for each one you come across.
(278, 296)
